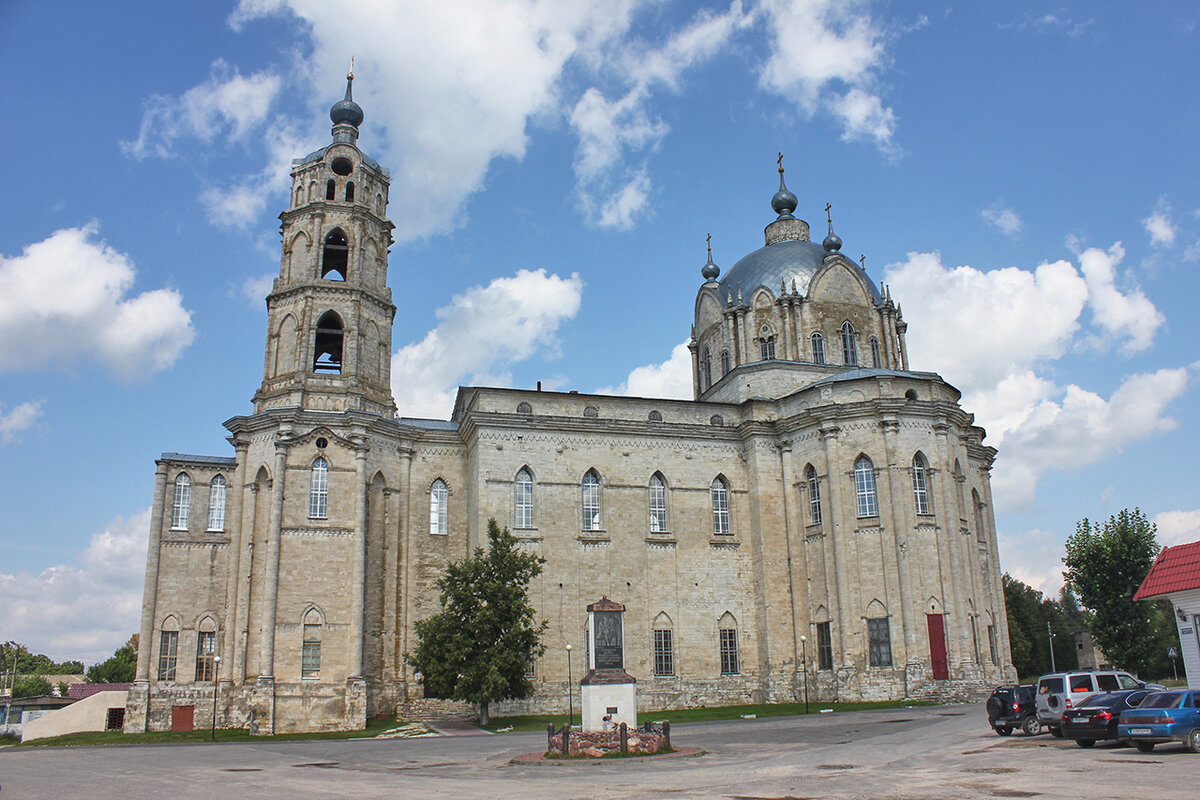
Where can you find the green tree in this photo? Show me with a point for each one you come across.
(477, 649)
(120, 667)
(27, 663)
(1105, 566)
(1031, 619)
(31, 686)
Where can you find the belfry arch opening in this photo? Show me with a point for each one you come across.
(327, 352)
(335, 256)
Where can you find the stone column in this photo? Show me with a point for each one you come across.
(785, 306)
(694, 348)
(233, 525)
(266, 662)
(829, 435)
(731, 331)
(947, 512)
(242, 611)
(150, 589)
(789, 530)
(747, 356)
(404, 565)
(901, 327)
(360, 558)
(901, 530)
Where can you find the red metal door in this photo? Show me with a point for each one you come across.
(182, 718)
(937, 647)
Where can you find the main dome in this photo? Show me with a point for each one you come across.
(783, 261)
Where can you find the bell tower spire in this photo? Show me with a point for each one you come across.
(330, 311)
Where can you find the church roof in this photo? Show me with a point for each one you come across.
(874, 372)
(781, 262)
(317, 155)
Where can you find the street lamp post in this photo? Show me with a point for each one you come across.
(804, 666)
(216, 688)
(570, 692)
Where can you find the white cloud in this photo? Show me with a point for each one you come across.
(1033, 557)
(19, 419)
(1159, 225)
(671, 378)
(1177, 527)
(864, 116)
(1052, 22)
(484, 328)
(256, 289)
(1129, 315)
(1004, 219)
(227, 103)
(67, 297)
(84, 610)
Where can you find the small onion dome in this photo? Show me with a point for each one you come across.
(346, 110)
(832, 242)
(710, 271)
(784, 202)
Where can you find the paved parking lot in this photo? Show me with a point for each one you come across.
(900, 754)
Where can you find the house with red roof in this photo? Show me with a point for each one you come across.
(1176, 576)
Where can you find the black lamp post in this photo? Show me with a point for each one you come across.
(804, 666)
(216, 688)
(570, 692)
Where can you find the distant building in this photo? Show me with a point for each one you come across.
(1176, 576)
(1088, 654)
(819, 514)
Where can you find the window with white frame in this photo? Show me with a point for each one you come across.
(216, 504)
(818, 348)
(879, 640)
(658, 504)
(920, 478)
(182, 500)
(864, 487)
(814, 495)
(849, 344)
(728, 638)
(318, 491)
(591, 501)
(206, 649)
(876, 361)
(523, 500)
(168, 653)
(439, 496)
(664, 651)
(720, 506)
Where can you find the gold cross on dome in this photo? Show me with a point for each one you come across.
(779, 161)
(827, 215)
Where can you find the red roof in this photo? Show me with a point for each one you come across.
(1176, 569)
(78, 691)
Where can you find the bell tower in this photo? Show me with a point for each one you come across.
(330, 311)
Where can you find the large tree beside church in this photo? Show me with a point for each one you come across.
(478, 648)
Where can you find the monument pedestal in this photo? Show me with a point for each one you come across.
(609, 698)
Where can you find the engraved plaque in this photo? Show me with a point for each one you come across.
(610, 652)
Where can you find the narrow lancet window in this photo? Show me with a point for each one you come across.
(335, 256)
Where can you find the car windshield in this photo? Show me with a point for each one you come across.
(1101, 700)
(1162, 700)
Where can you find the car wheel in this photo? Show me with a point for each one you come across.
(1085, 742)
(1055, 731)
(1193, 741)
(1003, 730)
(1031, 726)
(1145, 747)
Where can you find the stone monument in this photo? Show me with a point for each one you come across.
(609, 692)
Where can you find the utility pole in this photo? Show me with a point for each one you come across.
(1050, 634)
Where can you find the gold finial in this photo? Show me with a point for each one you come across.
(828, 216)
(708, 240)
(350, 74)
(862, 261)
(779, 161)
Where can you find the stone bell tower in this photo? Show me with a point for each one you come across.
(330, 311)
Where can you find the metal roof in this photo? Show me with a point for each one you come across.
(222, 460)
(1177, 569)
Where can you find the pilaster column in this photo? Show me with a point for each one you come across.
(693, 347)
(790, 528)
(243, 611)
(901, 529)
(829, 435)
(233, 527)
(266, 661)
(731, 333)
(404, 563)
(360, 558)
(901, 327)
(150, 588)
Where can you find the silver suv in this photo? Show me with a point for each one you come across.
(1059, 691)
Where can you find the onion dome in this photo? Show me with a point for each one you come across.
(346, 110)
(784, 202)
(832, 242)
(710, 271)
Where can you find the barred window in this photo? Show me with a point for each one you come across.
(920, 472)
(183, 498)
(216, 504)
(824, 646)
(591, 502)
(729, 651)
(658, 504)
(814, 496)
(879, 638)
(523, 500)
(664, 652)
(864, 487)
(168, 646)
(849, 344)
(818, 348)
(720, 506)
(439, 495)
(206, 648)
(318, 492)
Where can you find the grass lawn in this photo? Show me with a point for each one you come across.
(538, 723)
(374, 728)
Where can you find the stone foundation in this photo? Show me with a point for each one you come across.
(646, 740)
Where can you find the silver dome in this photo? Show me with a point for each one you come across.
(772, 264)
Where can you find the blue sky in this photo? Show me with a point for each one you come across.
(1023, 176)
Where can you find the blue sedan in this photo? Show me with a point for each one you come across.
(1163, 717)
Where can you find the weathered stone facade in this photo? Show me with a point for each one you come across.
(825, 509)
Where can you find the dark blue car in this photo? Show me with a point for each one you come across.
(1163, 717)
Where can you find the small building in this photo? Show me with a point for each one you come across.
(14, 715)
(1176, 576)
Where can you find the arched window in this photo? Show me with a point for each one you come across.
(335, 256)
(349, 191)
(327, 354)
(524, 408)
(168, 649)
(216, 504)
(206, 650)
(330, 189)
(706, 370)
(299, 195)
(591, 501)
(864, 487)
(183, 499)
(658, 504)
(591, 412)
(720, 506)
(725, 362)
(876, 361)
(879, 638)
(818, 348)
(439, 496)
(766, 348)
(655, 416)
(849, 344)
(318, 490)
(728, 644)
(814, 495)
(523, 500)
(664, 645)
(920, 477)
(310, 652)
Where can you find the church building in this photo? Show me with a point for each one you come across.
(817, 519)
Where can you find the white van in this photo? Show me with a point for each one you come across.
(1059, 691)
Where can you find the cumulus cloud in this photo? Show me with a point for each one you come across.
(1033, 557)
(1160, 227)
(1004, 219)
(1177, 527)
(1026, 319)
(18, 420)
(256, 289)
(1052, 22)
(68, 298)
(671, 378)
(483, 329)
(84, 610)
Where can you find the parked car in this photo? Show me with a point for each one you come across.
(1163, 717)
(1096, 718)
(1059, 691)
(1012, 707)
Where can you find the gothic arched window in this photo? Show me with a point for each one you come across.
(658, 504)
(849, 344)
(335, 257)
(216, 504)
(720, 506)
(318, 490)
(439, 497)
(327, 354)
(814, 495)
(310, 649)
(864, 487)
(591, 501)
(523, 500)
(183, 499)
(766, 347)
(349, 191)
(818, 348)
(330, 189)
(920, 477)
(706, 370)
(876, 361)
(725, 365)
